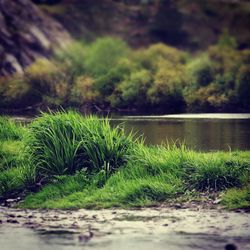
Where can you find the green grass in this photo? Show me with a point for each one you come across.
(237, 198)
(62, 143)
(81, 162)
(9, 130)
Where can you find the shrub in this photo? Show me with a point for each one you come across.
(48, 80)
(226, 63)
(149, 58)
(166, 90)
(200, 71)
(134, 89)
(73, 56)
(245, 54)
(209, 98)
(62, 143)
(243, 86)
(104, 54)
(83, 91)
(227, 41)
(16, 92)
(107, 83)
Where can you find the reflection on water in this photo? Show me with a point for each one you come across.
(199, 134)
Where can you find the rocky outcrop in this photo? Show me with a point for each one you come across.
(26, 33)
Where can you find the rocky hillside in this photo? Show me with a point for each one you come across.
(26, 33)
(189, 24)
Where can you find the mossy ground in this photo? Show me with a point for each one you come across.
(143, 176)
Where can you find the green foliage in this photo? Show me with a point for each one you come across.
(107, 83)
(15, 180)
(49, 81)
(104, 54)
(150, 57)
(151, 175)
(133, 90)
(200, 71)
(243, 86)
(9, 130)
(106, 74)
(62, 143)
(237, 198)
(83, 91)
(166, 90)
(227, 41)
(10, 154)
(15, 92)
(73, 56)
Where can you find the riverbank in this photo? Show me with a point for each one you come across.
(66, 161)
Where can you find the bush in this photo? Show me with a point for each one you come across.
(166, 90)
(103, 55)
(73, 56)
(134, 89)
(209, 98)
(243, 87)
(200, 71)
(107, 83)
(149, 58)
(49, 80)
(16, 93)
(226, 63)
(83, 91)
(62, 143)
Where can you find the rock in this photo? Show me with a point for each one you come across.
(12, 221)
(26, 34)
(230, 246)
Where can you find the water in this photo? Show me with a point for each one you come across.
(204, 132)
(147, 229)
(27, 239)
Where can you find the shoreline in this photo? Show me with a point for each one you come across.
(191, 227)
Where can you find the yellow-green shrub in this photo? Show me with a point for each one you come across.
(50, 80)
(15, 92)
(83, 91)
(208, 98)
(166, 90)
(200, 71)
(148, 58)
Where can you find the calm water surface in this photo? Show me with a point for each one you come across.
(205, 132)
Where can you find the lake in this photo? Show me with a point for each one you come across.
(204, 132)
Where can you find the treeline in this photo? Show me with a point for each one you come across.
(108, 75)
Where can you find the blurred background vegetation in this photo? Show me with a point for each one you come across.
(147, 56)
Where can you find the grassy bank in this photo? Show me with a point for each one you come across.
(64, 160)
